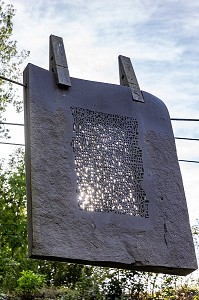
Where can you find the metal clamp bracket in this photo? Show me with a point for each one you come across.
(128, 77)
(57, 61)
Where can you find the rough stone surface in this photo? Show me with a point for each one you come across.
(59, 228)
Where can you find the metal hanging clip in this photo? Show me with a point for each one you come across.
(57, 62)
(128, 77)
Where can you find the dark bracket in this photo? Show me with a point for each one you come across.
(57, 61)
(128, 77)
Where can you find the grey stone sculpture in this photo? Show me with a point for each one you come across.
(103, 180)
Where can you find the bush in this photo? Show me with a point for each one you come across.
(29, 284)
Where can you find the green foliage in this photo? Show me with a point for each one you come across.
(70, 295)
(60, 274)
(29, 283)
(13, 231)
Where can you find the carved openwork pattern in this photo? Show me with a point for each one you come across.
(108, 163)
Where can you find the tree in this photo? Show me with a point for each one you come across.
(13, 232)
(10, 61)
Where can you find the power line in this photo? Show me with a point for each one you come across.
(180, 160)
(179, 119)
(177, 138)
(25, 85)
(14, 144)
(172, 119)
(187, 139)
(189, 161)
(15, 124)
(13, 81)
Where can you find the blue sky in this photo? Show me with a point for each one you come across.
(160, 37)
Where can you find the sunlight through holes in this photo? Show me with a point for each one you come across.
(108, 163)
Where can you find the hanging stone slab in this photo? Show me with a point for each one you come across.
(103, 181)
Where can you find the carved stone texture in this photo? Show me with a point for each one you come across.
(103, 180)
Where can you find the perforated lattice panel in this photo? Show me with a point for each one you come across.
(108, 163)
